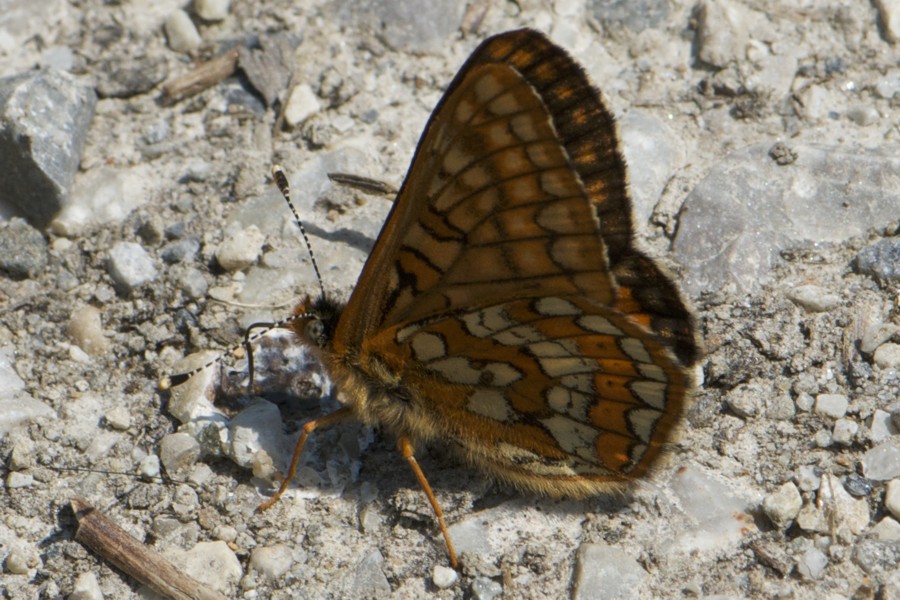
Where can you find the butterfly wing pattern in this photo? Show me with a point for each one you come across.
(504, 309)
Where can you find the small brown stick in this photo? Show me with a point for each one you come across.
(365, 184)
(115, 545)
(204, 76)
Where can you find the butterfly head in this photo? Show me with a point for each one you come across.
(315, 320)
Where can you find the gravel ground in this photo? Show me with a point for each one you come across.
(786, 479)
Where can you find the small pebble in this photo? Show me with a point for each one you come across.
(857, 486)
(831, 405)
(130, 266)
(212, 563)
(181, 32)
(808, 477)
(118, 418)
(86, 330)
(782, 505)
(17, 562)
(86, 588)
(886, 530)
(863, 115)
(271, 561)
(178, 451)
(812, 563)
(887, 356)
(444, 577)
(240, 250)
(149, 468)
(844, 431)
(23, 249)
(823, 438)
(813, 298)
(892, 497)
(18, 479)
(484, 588)
(882, 462)
(301, 105)
(212, 10)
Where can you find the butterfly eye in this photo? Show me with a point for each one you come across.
(315, 331)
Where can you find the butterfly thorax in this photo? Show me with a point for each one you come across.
(368, 383)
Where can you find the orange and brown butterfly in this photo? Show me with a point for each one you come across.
(504, 310)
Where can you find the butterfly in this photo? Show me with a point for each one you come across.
(504, 310)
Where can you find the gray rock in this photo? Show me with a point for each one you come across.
(782, 505)
(889, 11)
(23, 250)
(130, 266)
(413, 26)
(812, 563)
(178, 451)
(880, 260)
(272, 561)
(635, 15)
(605, 572)
(882, 462)
(748, 209)
(831, 405)
(892, 497)
(887, 356)
(44, 120)
(650, 144)
(368, 579)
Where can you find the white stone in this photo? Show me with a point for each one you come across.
(882, 462)
(17, 479)
(86, 330)
(150, 466)
(181, 32)
(118, 418)
(844, 431)
(444, 577)
(607, 568)
(241, 250)
(272, 561)
(213, 563)
(782, 505)
(812, 564)
(808, 478)
(892, 497)
(257, 430)
(886, 530)
(846, 511)
(130, 266)
(301, 105)
(831, 405)
(814, 298)
(212, 10)
(86, 588)
(887, 356)
(890, 18)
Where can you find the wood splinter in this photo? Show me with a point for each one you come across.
(115, 545)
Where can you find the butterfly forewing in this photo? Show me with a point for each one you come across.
(504, 308)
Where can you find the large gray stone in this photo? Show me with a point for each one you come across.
(44, 120)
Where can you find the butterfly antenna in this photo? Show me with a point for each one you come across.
(281, 181)
(169, 381)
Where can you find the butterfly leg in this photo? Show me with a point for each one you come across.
(328, 420)
(248, 339)
(406, 450)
